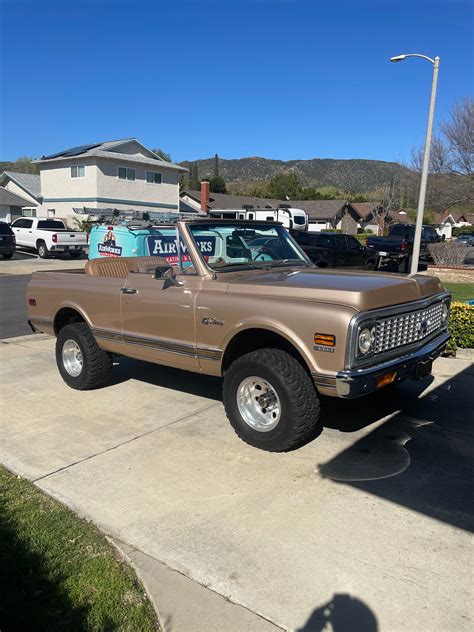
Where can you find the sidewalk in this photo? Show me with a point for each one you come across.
(370, 522)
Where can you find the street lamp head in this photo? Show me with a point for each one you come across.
(398, 58)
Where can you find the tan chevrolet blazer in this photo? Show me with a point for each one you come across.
(240, 299)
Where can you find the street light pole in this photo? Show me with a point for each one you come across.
(426, 160)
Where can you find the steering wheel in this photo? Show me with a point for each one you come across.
(264, 254)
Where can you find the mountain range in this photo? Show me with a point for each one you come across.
(355, 175)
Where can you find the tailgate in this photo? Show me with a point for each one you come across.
(71, 238)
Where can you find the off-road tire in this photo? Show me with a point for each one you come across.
(300, 407)
(97, 363)
(43, 251)
(75, 254)
(7, 255)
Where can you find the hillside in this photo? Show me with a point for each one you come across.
(347, 175)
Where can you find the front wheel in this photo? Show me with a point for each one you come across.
(271, 401)
(82, 363)
(7, 255)
(370, 265)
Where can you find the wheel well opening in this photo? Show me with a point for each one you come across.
(254, 339)
(66, 316)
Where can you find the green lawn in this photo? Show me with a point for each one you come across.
(57, 571)
(460, 291)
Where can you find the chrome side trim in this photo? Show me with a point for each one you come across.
(325, 381)
(38, 322)
(193, 351)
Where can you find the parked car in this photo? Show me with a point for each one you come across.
(466, 239)
(336, 250)
(7, 241)
(48, 236)
(397, 247)
(280, 331)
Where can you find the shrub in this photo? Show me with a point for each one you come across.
(461, 326)
(448, 254)
(459, 230)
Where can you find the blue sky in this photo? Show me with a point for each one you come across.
(276, 78)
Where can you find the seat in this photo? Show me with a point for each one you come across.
(120, 267)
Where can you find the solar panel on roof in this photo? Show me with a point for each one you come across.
(74, 151)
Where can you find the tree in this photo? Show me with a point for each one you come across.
(24, 165)
(218, 184)
(162, 154)
(459, 135)
(195, 183)
(284, 186)
(216, 167)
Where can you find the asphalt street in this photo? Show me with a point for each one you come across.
(12, 305)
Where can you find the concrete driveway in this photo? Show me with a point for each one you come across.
(369, 524)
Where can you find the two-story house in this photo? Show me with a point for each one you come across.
(121, 174)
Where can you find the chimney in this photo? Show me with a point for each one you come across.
(205, 188)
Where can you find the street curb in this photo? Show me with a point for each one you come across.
(140, 577)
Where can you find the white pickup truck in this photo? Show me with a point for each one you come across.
(48, 236)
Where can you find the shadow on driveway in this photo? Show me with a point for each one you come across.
(420, 458)
(344, 613)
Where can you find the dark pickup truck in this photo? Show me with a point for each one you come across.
(336, 250)
(397, 247)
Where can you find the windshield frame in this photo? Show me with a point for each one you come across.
(245, 265)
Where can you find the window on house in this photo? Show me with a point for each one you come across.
(153, 177)
(78, 171)
(29, 212)
(126, 174)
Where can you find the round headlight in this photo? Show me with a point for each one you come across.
(366, 340)
(444, 313)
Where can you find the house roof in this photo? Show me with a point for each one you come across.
(106, 149)
(316, 209)
(466, 217)
(320, 209)
(364, 208)
(29, 182)
(400, 216)
(8, 198)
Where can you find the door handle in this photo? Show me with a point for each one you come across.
(128, 290)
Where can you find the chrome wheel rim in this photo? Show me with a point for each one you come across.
(258, 404)
(72, 358)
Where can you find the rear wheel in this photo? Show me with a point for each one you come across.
(82, 363)
(271, 401)
(7, 255)
(43, 251)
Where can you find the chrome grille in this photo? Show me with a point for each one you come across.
(404, 329)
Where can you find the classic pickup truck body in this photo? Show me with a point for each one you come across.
(202, 317)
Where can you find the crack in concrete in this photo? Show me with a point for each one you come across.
(144, 434)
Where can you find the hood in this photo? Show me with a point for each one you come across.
(360, 290)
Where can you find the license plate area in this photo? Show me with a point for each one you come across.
(423, 368)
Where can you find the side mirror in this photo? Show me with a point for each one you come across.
(166, 273)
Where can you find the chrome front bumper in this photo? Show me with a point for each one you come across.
(358, 382)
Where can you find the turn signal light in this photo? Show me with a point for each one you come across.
(325, 340)
(388, 378)
(32, 302)
(54, 238)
